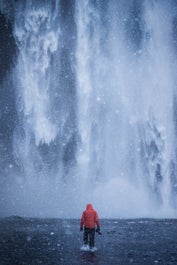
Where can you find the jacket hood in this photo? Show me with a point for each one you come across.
(89, 207)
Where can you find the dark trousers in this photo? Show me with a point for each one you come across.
(89, 236)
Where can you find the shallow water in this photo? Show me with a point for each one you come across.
(31, 241)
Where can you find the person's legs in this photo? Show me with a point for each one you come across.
(92, 238)
(86, 233)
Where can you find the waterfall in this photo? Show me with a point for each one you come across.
(37, 40)
(94, 93)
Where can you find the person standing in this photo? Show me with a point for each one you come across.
(89, 220)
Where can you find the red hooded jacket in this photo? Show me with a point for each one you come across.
(89, 218)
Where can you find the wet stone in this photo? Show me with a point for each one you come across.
(32, 241)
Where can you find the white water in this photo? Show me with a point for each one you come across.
(120, 106)
(37, 40)
(125, 103)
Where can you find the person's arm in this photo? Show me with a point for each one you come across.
(97, 220)
(82, 221)
(98, 224)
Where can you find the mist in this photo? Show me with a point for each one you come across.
(88, 108)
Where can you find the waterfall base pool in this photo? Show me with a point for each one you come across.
(31, 241)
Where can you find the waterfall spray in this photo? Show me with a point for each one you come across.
(94, 85)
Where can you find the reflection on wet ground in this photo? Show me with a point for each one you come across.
(30, 241)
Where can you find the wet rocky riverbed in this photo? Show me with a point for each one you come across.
(32, 241)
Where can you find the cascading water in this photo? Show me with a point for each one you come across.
(95, 103)
(37, 41)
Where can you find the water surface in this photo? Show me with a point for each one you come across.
(30, 241)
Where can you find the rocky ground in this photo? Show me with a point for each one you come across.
(31, 241)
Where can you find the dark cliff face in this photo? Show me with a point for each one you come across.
(8, 114)
(7, 46)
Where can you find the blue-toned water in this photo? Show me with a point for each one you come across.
(88, 108)
(30, 241)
